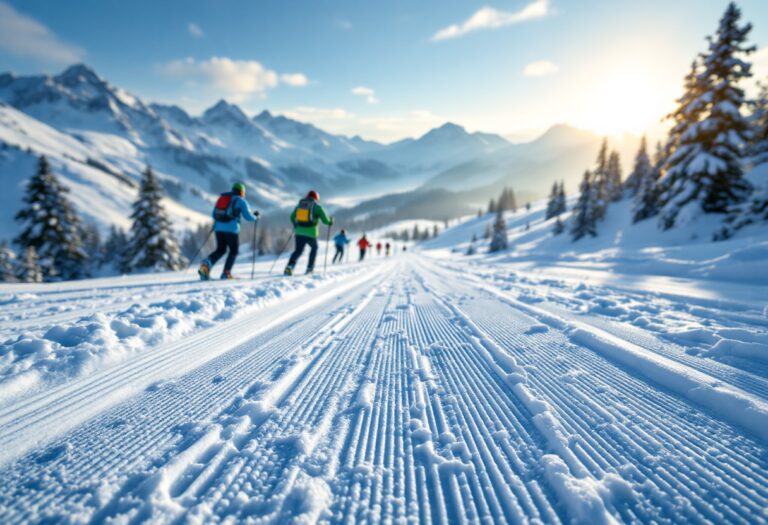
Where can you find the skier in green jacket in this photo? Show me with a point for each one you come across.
(305, 219)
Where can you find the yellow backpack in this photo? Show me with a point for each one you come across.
(305, 213)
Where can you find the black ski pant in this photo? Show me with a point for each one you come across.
(362, 253)
(225, 240)
(339, 255)
(301, 242)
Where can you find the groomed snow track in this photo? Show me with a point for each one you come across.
(418, 391)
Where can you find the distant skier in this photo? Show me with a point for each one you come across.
(378, 248)
(230, 208)
(340, 240)
(363, 244)
(305, 218)
(388, 248)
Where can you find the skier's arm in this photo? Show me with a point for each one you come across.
(245, 212)
(323, 217)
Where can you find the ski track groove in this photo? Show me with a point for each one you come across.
(750, 486)
(401, 402)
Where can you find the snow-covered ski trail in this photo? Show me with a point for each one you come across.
(418, 391)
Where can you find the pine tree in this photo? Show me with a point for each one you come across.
(29, 270)
(599, 182)
(92, 246)
(488, 232)
(507, 201)
(755, 209)
(152, 244)
(705, 170)
(584, 215)
(7, 262)
(558, 227)
(561, 200)
(51, 225)
(641, 169)
(435, 231)
(499, 239)
(115, 250)
(491, 206)
(646, 194)
(553, 204)
(613, 183)
(416, 236)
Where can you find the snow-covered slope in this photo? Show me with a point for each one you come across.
(424, 387)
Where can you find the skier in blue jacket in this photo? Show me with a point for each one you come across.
(230, 208)
(341, 240)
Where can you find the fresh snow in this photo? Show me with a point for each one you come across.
(613, 380)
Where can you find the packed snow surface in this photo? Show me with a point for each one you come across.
(424, 387)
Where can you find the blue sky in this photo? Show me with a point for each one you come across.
(388, 69)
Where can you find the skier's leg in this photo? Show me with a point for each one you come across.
(312, 242)
(221, 249)
(233, 243)
(301, 241)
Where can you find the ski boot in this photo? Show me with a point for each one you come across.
(204, 271)
(310, 271)
(227, 275)
(288, 271)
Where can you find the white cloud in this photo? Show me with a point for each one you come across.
(238, 79)
(25, 36)
(540, 68)
(294, 79)
(491, 18)
(195, 30)
(368, 93)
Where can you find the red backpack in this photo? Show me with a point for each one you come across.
(223, 211)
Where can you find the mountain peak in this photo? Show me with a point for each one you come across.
(449, 130)
(263, 116)
(79, 74)
(223, 111)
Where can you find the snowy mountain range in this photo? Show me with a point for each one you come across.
(99, 138)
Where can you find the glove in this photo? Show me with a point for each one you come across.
(257, 214)
(331, 223)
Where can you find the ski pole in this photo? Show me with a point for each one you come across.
(207, 237)
(280, 253)
(327, 242)
(253, 258)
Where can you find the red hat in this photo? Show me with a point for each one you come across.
(313, 195)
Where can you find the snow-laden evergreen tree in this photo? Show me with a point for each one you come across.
(755, 209)
(116, 250)
(613, 183)
(553, 204)
(641, 169)
(28, 270)
(499, 238)
(92, 246)
(488, 232)
(491, 206)
(152, 244)
(416, 236)
(599, 182)
(585, 214)
(561, 200)
(645, 201)
(7, 263)
(50, 224)
(705, 170)
(558, 227)
(506, 201)
(435, 231)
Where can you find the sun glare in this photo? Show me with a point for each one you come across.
(628, 99)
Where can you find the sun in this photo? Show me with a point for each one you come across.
(624, 99)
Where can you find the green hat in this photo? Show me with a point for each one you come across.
(238, 187)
